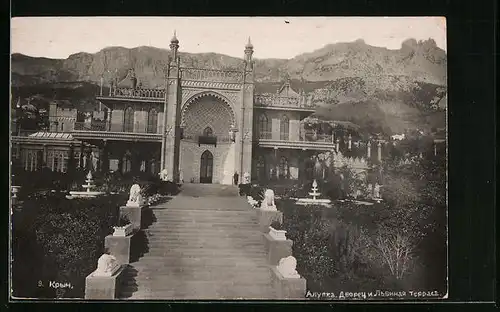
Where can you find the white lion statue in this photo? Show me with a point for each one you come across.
(164, 175)
(268, 201)
(287, 267)
(246, 178)
(135, 199)
(107, 265)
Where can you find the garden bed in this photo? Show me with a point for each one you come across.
(60, 240)
(337, 249)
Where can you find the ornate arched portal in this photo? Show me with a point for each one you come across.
(207, 119)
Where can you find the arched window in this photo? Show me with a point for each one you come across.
(264, 127)
(152, 121)
(284, 128)
(208, 131)
(153, 166)
(283, 168)
(126, 162)
(128, 122)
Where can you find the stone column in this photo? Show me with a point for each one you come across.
(368, 150)
(276, 163)
(110, 112)
(71, 158)
(45, 156)
(435, 148)
(379, 151)
(81, 155)
(301, 165)
(337, 145)
(104, 157)
(349, 142)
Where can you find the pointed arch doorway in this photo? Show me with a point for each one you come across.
(206, 167)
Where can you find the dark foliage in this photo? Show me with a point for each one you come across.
(60, 240)
(276, 225)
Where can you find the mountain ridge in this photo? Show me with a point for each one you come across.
(423, 61)
(347, 78)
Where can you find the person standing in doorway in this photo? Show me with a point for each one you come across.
(235, 178)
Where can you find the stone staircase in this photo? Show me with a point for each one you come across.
(209, 190)
(206, 247)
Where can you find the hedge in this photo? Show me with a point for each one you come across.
(55, 239)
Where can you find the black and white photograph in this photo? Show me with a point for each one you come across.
(228, 158)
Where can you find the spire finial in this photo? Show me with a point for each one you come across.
(249, 44)
(174, 39)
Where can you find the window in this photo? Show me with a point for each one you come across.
(76, 157)
(31, 160)
(128, 122)
(208, 131)
(152, 121)
(126, 163)
(153, 166)
(64, 162)
(283, 168)
(284, 128)
(55, 162)
(264, 127)
(261, 168)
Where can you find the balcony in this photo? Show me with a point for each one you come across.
(156, 95)
(277, 102)
(204, 139)
(119, 131)
(306, 140)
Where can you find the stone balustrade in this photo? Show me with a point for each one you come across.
(140, 93)
(214, 75)
(281, 101)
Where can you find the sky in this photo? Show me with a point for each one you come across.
(272, 37)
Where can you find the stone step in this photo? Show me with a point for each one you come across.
(207, 213)
(210, 236)
(180, 243)
(202, 224)
(221, 248)
(246, 294)
(153, 277)
(187, 262)
(210, 289)
(206, 219)
(206, 254)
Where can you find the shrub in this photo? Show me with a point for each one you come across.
(396, 250)
(124, 220)
(276, 225)
(70, 237)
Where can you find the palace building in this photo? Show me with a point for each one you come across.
(202, 126)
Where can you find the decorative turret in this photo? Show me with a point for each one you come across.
(174, 46)
(248, 52)
(130, 81)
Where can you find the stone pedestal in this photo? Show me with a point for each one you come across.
(287, 288)
(103, 287)
(134, 214)
(266, 217)
(277, 249)
(119, 246)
